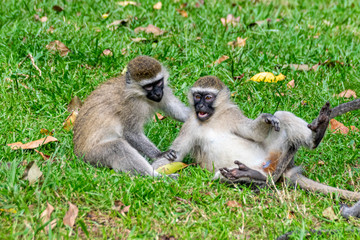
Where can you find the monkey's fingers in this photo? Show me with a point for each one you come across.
(274, 121)
(241, 166)
(169, 155)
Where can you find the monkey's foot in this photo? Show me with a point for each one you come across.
(271, 119)
(353, 211)
(169, 155)
(242, 172)
(320, 124)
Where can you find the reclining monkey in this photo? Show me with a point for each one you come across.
(220, 137)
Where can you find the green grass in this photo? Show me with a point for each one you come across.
(31, 103)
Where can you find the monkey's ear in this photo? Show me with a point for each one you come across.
(127, 77)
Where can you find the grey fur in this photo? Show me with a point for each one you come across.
(109, 129)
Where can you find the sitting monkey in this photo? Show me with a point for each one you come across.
(220, 137)
(109, 128)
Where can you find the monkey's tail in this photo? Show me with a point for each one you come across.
(295, 176)
(345, 107)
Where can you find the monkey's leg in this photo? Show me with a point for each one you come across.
(242, 173)
(320, 124)
(120, 156)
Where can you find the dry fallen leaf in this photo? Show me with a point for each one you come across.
(33, 144)
(41, 19)
(125, 210)
(57, 46)
(262, 22)
(125, 3)
(291, 215)
(233, 204)
(45, 217)
(50, 29)
(300, 67)
(70, 216)
(159, 116)
(74, 105)
(150, 29)
(347, 94)
(291, 84)
(267, 77)
(230, 20)
(171, 167)
(107, 52)
(220, 60)
(57, 8)
(182, 12)
(117, 23)
(70, 120)
(32, 173)
(138, 39)
(157, 6)
(338, 127)
(240, 42)
(47, 132)
(239, 77)
(329, 214)
(44, 156)
(354, 129)
(320, 162)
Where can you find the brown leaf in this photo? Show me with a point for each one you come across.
(107, 52)
(220, 60)
(230, 20)
(240, 42)
(43, 19)
(233, 204)
(182, 12)
(354, 129)
(50, 29)
(239, 77)
(138, 39)
(71, 215)
(57, 8)
(183, 200)
(262, 22)
(150, 29)
(291, 215)
(33, 144)
(347, 94)
(167, 237)
(36, 17)
(125, 210)
(299, 67)
(338, 127)
(157, 6)
(291, 84)
(117, 23)
(47, 132)
(57, 46)
(32, 173)
(159, 116)
(320, 162)
(70, 120)
(329, 214)
(44, 156)
(45, 217)
(199, 3)
(75, 104)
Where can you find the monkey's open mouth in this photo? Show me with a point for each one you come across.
(202, 115)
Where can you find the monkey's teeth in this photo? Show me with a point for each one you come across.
(202, 114)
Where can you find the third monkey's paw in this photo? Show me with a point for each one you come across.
(242, 172)
(169, 155)
(274, 121)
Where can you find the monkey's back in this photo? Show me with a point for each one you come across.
(99, 110)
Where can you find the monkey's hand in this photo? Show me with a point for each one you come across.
(169, 155)
(320, 124)
(271, 119)
(242, 172)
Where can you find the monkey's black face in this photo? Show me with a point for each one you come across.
(203, 105)
(155, 90)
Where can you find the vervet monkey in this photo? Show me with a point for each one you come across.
(220, 137)
(109, 128)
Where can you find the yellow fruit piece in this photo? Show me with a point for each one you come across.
(267, 77)
(171, 167)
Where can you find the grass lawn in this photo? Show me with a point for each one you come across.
(194, 207)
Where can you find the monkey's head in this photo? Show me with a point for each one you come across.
(147, 76)
(206, 94)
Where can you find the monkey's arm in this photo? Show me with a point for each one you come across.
(183, 144)
(173, 106)
(141, 143)
(257, 129)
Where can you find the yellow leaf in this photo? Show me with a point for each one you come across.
(70, 120)
(267, 77)
(171, 167)
(105, 15)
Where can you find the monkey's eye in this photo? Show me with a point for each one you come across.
(208, 97)
(197, 97)
(148, 87)
(159, 83)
